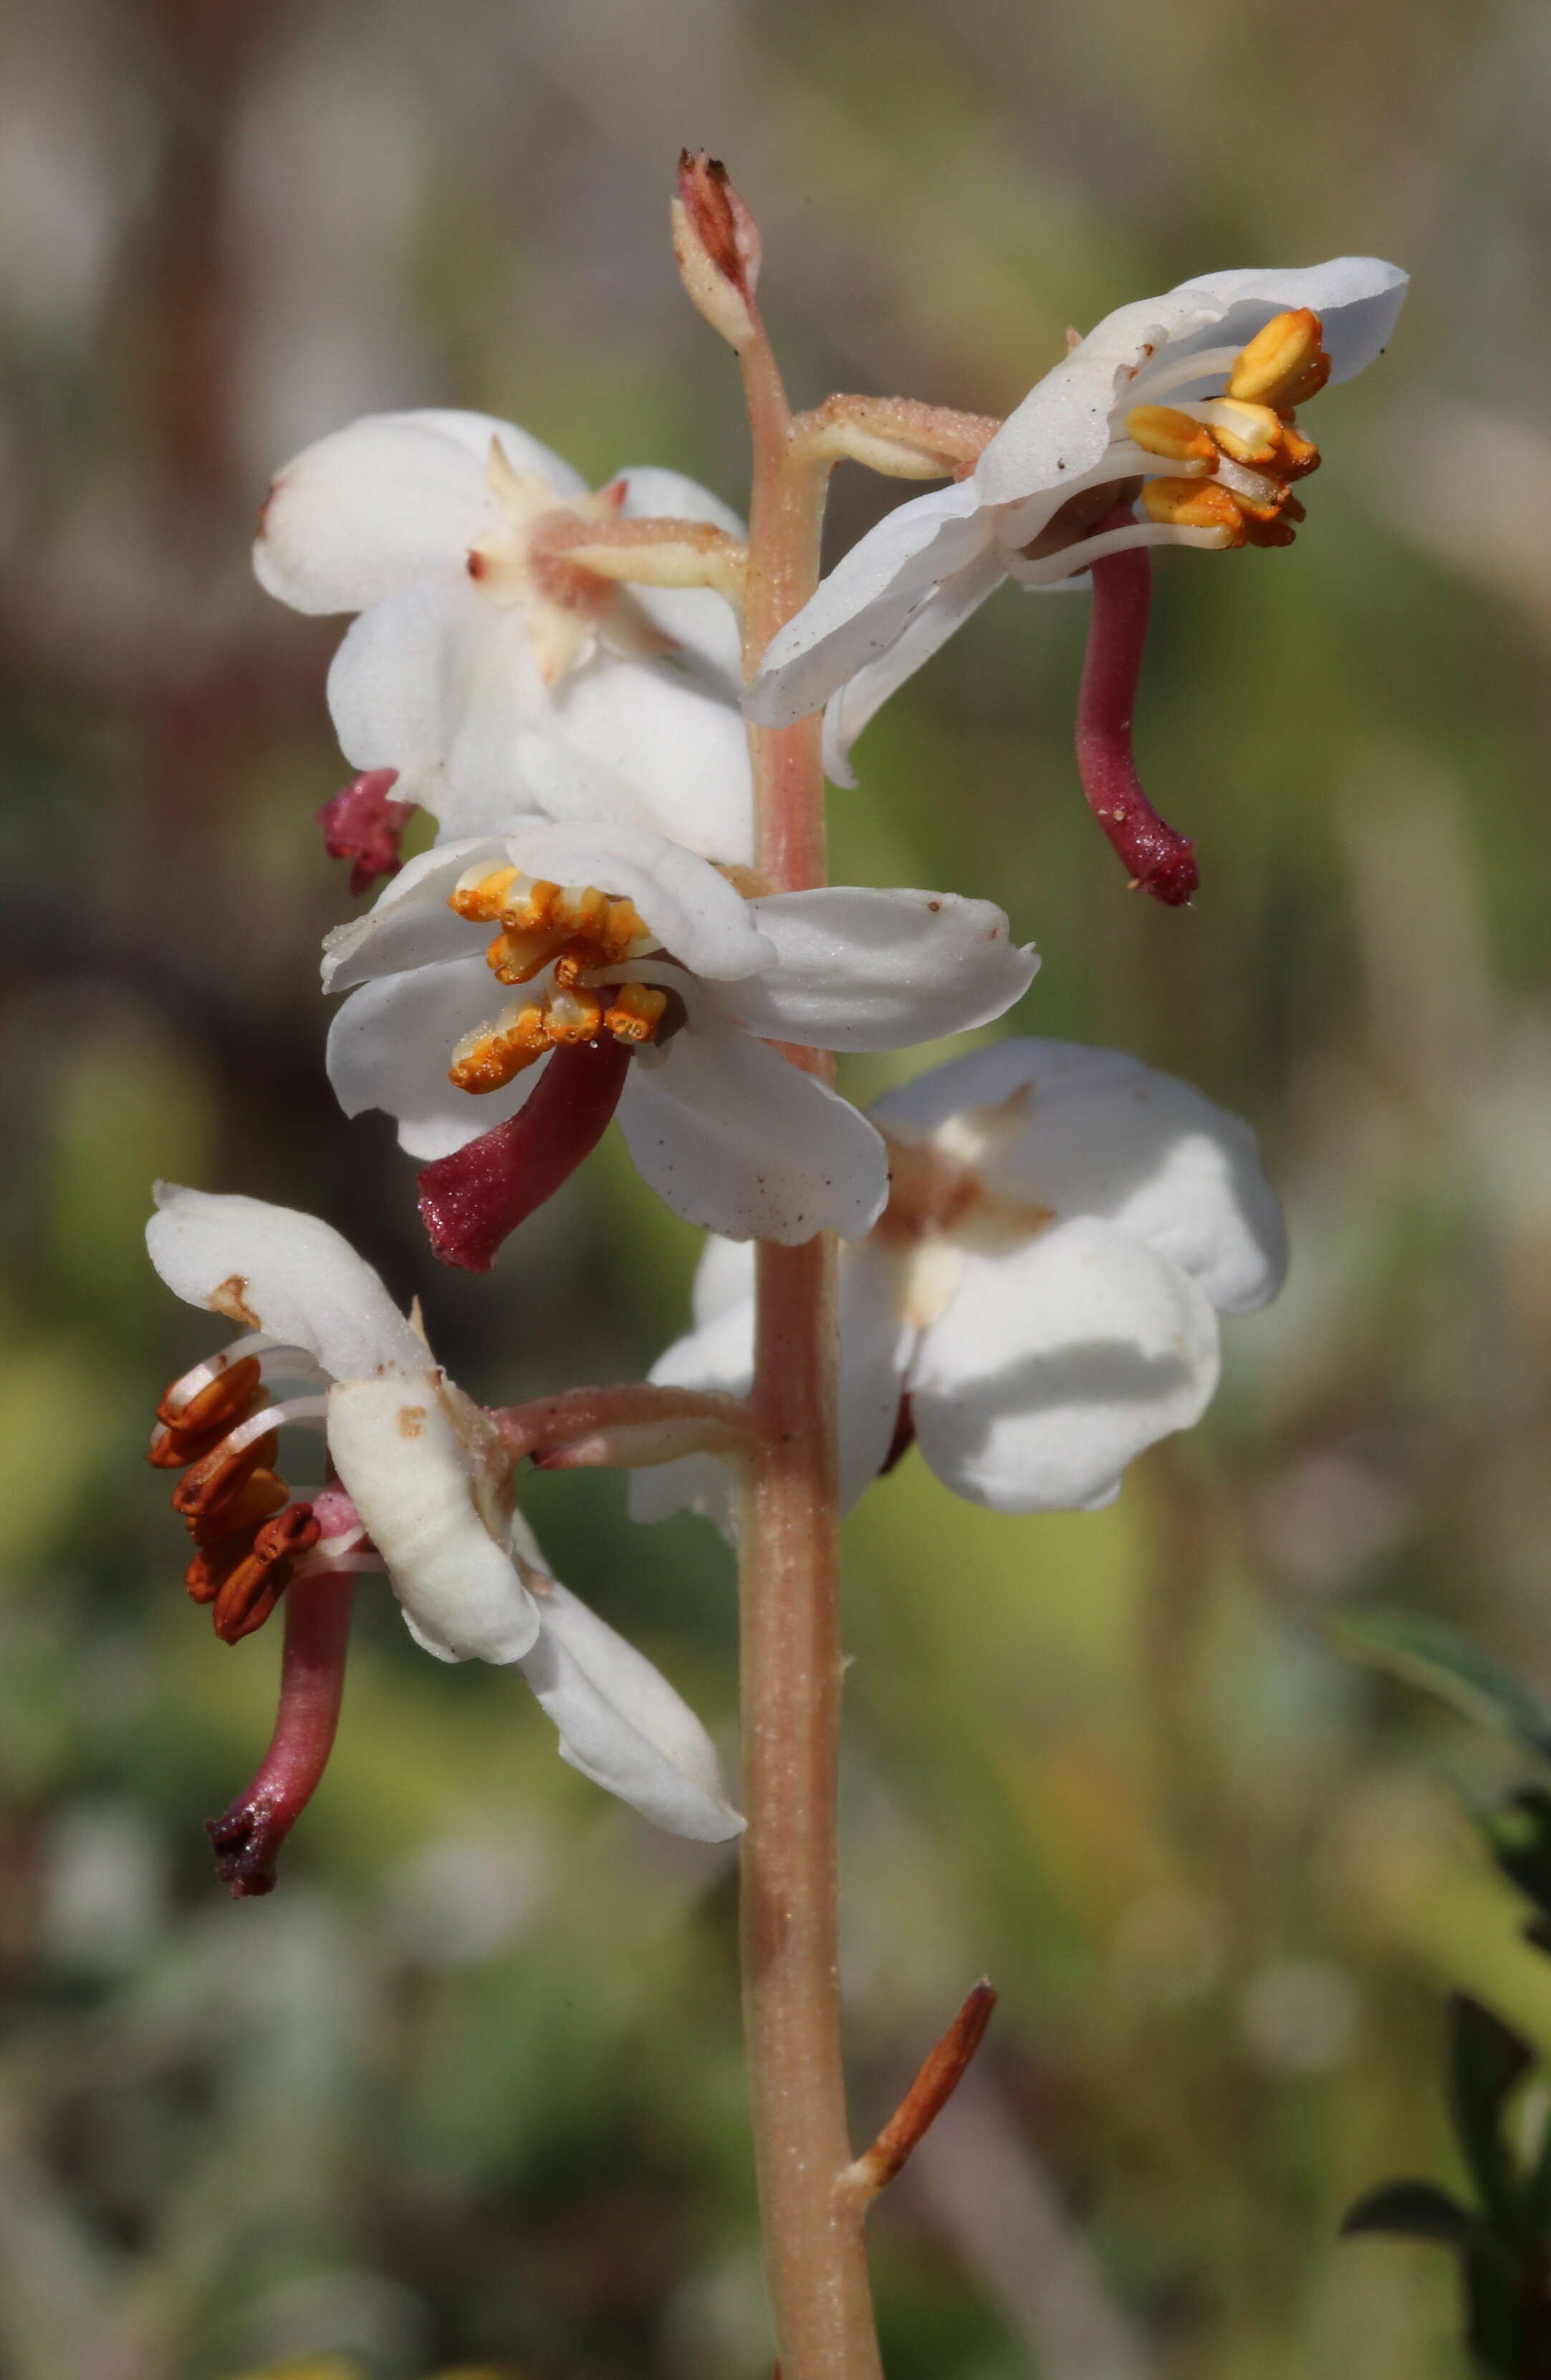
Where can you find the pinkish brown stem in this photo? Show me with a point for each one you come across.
(634, 1424)
(788, 1567)
(1161, 861)
(249, 1831)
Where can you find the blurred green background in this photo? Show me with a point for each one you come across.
(467, 2088)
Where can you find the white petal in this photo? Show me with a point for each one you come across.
(704, 625)
(719, 1354)
(1358, 299)
(1059, 432)
(734, 1137)
(724, 1278)
(862, 969)
(1106, 1136)
(694, 913)
(409, 924)
(861, 608)
(679, 750)
(289, 1275)
(440, 684)
(875, 1348)
(394, 498)
(399, 1457)
(1053, 1365)
(389, 1047)
(623, 1725)
(946, 607)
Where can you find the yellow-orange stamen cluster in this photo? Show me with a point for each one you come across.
(248, 1535)
(576, 932)
(1244, 449)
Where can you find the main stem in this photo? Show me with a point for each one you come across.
(789, 1578)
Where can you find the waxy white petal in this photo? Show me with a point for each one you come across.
(1101, 1135)
(399, 1457)
(863, 968)
(272, 1269)
(694, 913)
(1053, 1365)
(674, 745)
(875, 1348)
(622, 1724)
(390, 1045)
(866, 601)
(440, 684)
(409, 924)
(1051, 443)
(394, 498)
(735, 1138)
(945, 608)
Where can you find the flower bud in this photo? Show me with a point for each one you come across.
(718, 247)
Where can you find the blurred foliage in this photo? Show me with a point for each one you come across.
(467, 2090)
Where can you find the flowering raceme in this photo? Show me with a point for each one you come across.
(632, 954)
(488, 670)
(1038, 1302)
(1189, 397)
(424, 1492)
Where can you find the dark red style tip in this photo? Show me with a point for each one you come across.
(471, 1200)
(363, 825)
(1160, 861)
(247, 1834)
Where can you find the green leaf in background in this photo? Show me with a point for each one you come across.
(1432, 1653)
(1417, 2210)
(1518, 1834)
(1487, 2061)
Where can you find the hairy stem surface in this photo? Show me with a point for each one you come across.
(789, 1578)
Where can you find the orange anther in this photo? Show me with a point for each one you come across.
(1273, 532)
(1247, 433)
(1164, 430)
(250, 1591)
(574, 1016)
(208, 1484)
(1283, 364)
(261, 1493)
(580, 910)
(1296, 455)
(635, 1012)
(626, 925)
(1194, 504)
(493, 1055)
(516, 956)
(478, 897)
(221, 1402)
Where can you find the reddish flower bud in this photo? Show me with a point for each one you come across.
(363, 825)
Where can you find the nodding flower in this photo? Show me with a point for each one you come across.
(418, 1486)
(1038, 1301)
(487, 669)
(1185, 403)
(642, 980)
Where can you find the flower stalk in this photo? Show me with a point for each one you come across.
(788, 1537)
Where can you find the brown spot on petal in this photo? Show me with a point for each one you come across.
(412, 1421)
(231, 1299)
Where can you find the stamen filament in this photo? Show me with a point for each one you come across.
(1071, 560)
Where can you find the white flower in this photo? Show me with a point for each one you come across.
(1062, 1227)
(491, 674)
(426, 1494)
(1135, 400)
(622, 942)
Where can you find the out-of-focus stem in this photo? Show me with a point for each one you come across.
(789, 1572)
